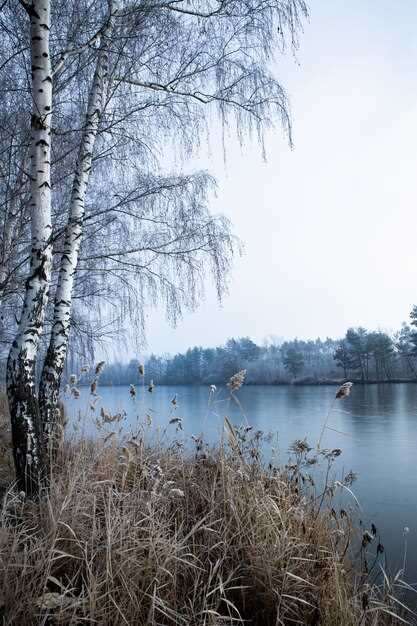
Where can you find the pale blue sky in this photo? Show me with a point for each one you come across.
(330, 227)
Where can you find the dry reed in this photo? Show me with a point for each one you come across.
(135, 535)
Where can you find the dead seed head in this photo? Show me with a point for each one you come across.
(331, 454)
(100, 367)
(109, 436)
(177, 421)
(104, 413)
(344, 390)
(237, 380)
(300, 446)
(350, 478)
(109, 418)
(367, 538)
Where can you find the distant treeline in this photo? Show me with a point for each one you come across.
(361, 355)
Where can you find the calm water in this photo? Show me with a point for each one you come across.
(379, 444)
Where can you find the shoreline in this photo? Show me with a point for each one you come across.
(294, 383)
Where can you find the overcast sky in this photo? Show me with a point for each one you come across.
(329, 228)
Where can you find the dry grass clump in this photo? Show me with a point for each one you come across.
(131, 535)
(145, 535)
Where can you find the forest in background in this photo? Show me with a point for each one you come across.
(361, 355)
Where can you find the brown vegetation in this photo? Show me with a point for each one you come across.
(136, 535)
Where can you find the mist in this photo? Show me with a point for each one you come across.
(328, 227)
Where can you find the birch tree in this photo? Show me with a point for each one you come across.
(24, 413)
(154, 73)
(58, 344)
(230, 82)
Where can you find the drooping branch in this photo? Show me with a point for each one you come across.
(92, 41)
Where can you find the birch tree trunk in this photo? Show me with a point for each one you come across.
(21, 390)
(57, 350)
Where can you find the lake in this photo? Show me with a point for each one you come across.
(379, 440)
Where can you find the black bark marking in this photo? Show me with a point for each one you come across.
(37, 124)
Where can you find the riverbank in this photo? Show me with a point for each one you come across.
(340, 381)
(131, 534)
(301, 382)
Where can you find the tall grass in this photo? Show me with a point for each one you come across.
(139, 535)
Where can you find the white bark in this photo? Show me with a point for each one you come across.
(55, 358)
(22, 357)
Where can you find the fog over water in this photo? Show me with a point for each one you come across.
(329, 228)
